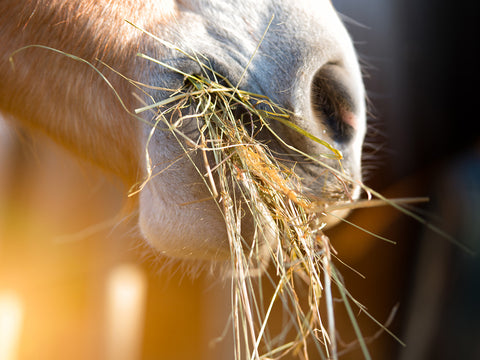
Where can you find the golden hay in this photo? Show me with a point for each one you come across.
(243, 175)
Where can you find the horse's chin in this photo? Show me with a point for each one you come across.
(198, 231)
(182, 230)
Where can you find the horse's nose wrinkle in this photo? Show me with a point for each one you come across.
(333, 104)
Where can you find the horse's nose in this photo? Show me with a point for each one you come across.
(334, 104)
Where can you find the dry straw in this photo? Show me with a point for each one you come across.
(244, 176)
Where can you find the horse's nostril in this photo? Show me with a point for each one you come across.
(333, 104)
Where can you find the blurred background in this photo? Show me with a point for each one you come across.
(63, 263)
(421, 77)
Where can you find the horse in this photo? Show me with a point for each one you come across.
(59, 75)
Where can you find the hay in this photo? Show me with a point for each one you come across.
(242, 174)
